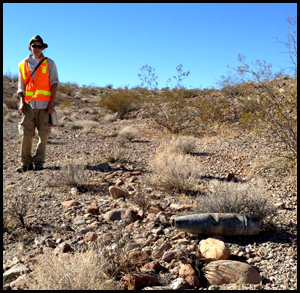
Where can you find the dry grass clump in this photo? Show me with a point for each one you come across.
(237, 197)
(183, 144)
(98, 267)
(62, 101)
(115, 152)
(11, 102)
(78, 271)
(85, 125)
(110, 117)
(128, 133)
(273, 166)
(70, 175)
(174, 172)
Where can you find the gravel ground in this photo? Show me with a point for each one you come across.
(219, 153)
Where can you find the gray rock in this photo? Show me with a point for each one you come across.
(179, 284)
(127, 215)
(15, 271)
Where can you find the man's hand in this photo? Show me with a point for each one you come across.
(22, 107)
(50, 108)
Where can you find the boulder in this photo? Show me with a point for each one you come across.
(228, 271)
(172, 254)
(117, 192)
(214, 249)
(138, 257)
(127, 215)
(189, 274)
(94, 210)
(136, 281)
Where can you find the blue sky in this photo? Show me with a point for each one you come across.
(107, 43)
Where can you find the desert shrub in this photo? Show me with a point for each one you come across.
(12, 77)
(12, 102)
(109, 86)
(70, 175)
(111, 117)
(217, 108)
(89, 90)
(229, 85)
(128, 133)
(170, 109)
(74, 125)
(139, 89)
(85, 125)
(5, 109)
(89, 125)
(62, 101)
(143, 201)
(121, 102)
(237, 197)
(97, 267)
(176, 81)
(115, 152)
(67, 87)
(174, 172)
(269, 107)
(17, 207)
(270, 110)
(183, 144)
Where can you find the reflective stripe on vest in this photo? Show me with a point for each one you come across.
(38, 92)
(44, 68)
(22, 70)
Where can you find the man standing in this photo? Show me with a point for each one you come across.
(37, 86)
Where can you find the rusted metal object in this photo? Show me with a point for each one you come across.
(225, 224)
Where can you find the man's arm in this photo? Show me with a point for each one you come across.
(50, 107)
(20, 92)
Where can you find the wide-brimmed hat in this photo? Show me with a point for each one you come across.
(37, 38)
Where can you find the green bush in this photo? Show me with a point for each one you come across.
(121, 102)
(271, 111)
(172, 111)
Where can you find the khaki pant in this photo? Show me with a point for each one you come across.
(31, 120)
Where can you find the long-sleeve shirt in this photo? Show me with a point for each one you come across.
(53, 75)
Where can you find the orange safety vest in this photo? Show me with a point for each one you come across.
(39, 87)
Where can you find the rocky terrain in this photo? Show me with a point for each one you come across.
(65, 219)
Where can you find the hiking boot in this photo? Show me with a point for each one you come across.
(38, 167)
(24, 168)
